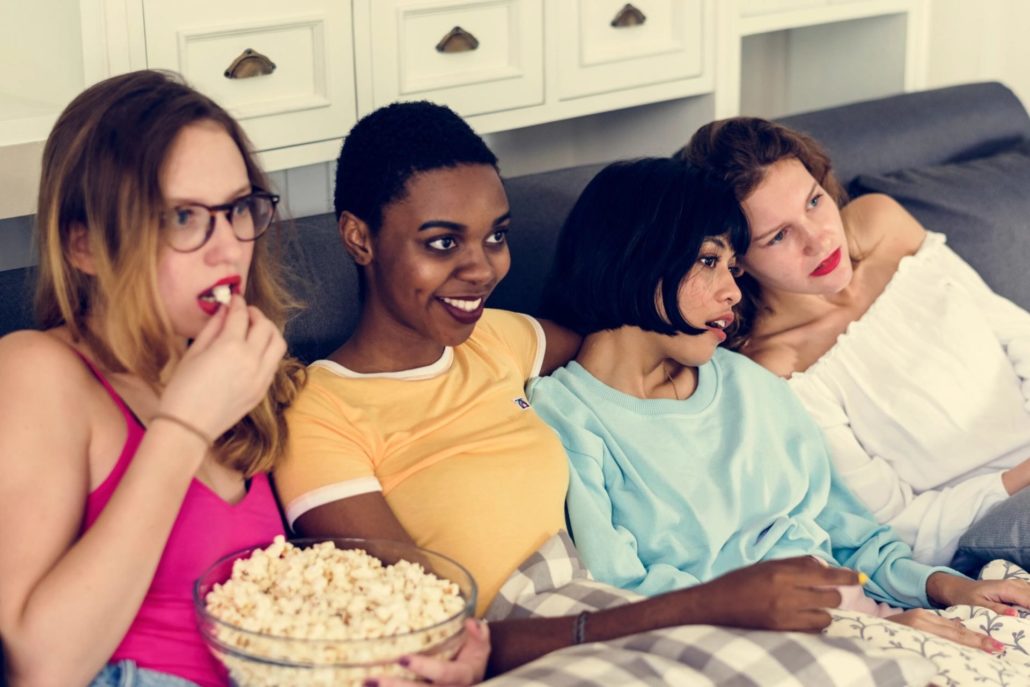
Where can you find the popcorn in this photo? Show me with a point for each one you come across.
(339, 613)
(222, 294)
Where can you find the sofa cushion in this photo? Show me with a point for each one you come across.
(982, 205)
(917, 129)
(16, 287)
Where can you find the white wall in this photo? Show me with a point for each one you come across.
(978, 40)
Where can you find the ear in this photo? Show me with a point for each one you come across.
(356, 237)
(79, 252)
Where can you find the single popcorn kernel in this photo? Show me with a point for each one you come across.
(222, 293)
(315, 605)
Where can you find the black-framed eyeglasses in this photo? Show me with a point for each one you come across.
(188, 227)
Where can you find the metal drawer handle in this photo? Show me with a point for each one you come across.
(457, 40)
(249, 64)
(628, 16)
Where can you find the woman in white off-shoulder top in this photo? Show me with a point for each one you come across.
(915, 370)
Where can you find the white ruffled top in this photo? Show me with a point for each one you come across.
(924, 399)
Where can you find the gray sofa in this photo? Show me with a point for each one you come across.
(958, 158)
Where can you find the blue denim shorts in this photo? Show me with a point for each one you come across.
(128, 674)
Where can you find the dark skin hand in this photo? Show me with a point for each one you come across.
(788, 594)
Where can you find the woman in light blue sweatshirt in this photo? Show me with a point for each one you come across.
(687, 460)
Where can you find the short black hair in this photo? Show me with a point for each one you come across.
(636, 231)
(389, 146)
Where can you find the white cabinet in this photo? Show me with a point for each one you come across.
(778, 57)
(649, 69)
(507, 64)
(284, 70)
(49, 50)
(478, 56)
(609, 45)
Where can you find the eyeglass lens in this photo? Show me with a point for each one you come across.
(188, 227)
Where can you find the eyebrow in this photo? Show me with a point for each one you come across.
(779, 227)
(457, 226)
(717, 240)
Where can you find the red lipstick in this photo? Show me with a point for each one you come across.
(828, 265)
(205, 300)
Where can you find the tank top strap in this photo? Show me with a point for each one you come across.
(127, 413)
(134, 431)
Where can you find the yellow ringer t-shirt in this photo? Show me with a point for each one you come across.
(462, 459)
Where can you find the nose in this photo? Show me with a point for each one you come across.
(817, 239)
(477, 267)
(729, 291)
(223, 246)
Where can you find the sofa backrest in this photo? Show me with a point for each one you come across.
(872, 137)
(917, 129)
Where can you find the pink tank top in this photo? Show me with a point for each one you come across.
(164, 634)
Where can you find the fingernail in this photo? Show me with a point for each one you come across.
(996, 645)
(404, 661)
(862, 579)
(1011, 611)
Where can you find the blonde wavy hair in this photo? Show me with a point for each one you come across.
(101, 173)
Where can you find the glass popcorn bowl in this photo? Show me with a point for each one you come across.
(270, 656)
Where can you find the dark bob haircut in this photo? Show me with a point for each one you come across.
(636, 232)
(394, 143)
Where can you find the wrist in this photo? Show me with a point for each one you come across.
(183, 425)
(941, 588)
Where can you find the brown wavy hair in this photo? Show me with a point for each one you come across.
(739, 150)
(101, 172)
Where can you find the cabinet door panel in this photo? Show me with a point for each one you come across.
(750, 8)
(661, 42)
(309, 94)
(493, 63)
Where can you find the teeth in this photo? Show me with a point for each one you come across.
(461, 304)
(721, 324)
(222, 293)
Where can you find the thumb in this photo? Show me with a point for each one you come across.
(477, 646)
(475, 652)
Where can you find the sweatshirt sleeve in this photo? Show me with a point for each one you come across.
(857, 540)
(609, 550)
(930, 522)
(861, 543)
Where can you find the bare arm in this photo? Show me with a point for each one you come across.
(367, 516)
(67, 600)
(562, 346)
(782, 595)
(67, 603)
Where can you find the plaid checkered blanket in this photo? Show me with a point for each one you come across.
(554, 582)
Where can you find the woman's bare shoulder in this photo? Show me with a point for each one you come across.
(879, 224)
(40, 362)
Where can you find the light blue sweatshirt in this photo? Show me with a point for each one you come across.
(665, 494)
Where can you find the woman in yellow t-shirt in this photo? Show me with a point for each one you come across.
(417, 428)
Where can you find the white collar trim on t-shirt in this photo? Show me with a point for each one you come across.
(442, 364)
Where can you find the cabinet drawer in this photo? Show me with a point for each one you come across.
(309, 96)
(611, 45)
(493, 61)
